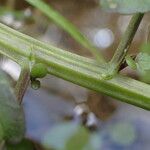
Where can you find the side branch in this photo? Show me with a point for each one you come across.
(126, 40)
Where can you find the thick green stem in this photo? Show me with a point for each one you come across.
(74, 68)
(126, 40)
(22, 82)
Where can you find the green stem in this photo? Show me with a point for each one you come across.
(126, 40)
(74, 68)
(22, 82)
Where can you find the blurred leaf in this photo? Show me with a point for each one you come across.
(67, 26)
(95, 142)
(145, 48)
(23, 145)
(123, 133)
(57, 137)
(126, 6)
(11, 114)
(143, 63)
(71, 136)
(78, 140)
(145, 76)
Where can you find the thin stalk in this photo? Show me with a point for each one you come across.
(22, 82)
(67, 26)
(74, 68)
(126, 40)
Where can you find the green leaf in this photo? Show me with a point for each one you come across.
(11, 114)
(126, 6)
(67, 26)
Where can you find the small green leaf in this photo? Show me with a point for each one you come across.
(126, 6)
(131, 63)
(11, 114)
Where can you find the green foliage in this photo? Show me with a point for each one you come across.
(11, 114)
(39, 70)
(126, 6)
(23, 145)
(67, 26)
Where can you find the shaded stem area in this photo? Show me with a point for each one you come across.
(22, 83)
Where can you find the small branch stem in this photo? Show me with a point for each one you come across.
(126, 39)
(22, 83)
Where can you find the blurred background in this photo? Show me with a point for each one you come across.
(55, 110)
